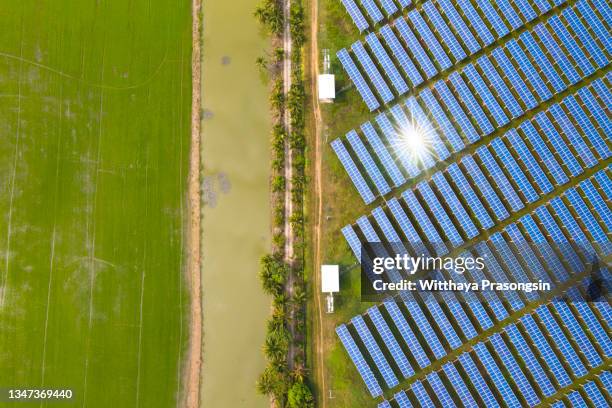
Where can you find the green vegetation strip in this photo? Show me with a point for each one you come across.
(94, 147)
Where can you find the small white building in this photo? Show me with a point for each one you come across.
(327, 88)
(330, 284)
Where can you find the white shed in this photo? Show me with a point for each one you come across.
(330, 278)
(327, 87)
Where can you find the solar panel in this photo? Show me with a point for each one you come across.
(604, 9)
(496, 271)
(456, 112)
(526, 10)
(544, 153)
(559, 144)
(587, 127)
(572, 227)
(400, 54)
(455, 205)
(470, 102)
(424, 223)
(384, 404)
(571, 45)
(430, 40)
(388, 6)
(457, 312)
(441, 28)
(422, 122)
(458, 385)
(383, 154)
(440, 215)
(526, 253)
(459, 25)
(421, 394)
(367, 161)
(482, 389)
(496, 22)
(415, 47)
(543, 5)
(496, 375)
(513, 368)
(587, 218)
(374, 351)
(444, 125)
(476, 22)
(576, 400)
(407, 334)
(512, 265)
(352, 240)
(543, 247)
(594, 394)
(572, 135)
(543, 62)
(513, 169)
(558, 56)
(595, 24)
(383, 59)
(578, 335)
(468, 194)
(585, 38)
(530, 73)
(597, 202)
(525, 156)
(373, 73)
(530, 360)
(500, 87)
(514, 78)
(485, 188)
(407, 229)
(509, 14)
(353, 171)
(485, 94)
(604, 183)
(595, 109)
(355, 14)
(602, 89)
(394, 141)
(402, 400)
(422, 322)
(439, 390)
(362, 87)
(545, 350)
(390, 342)
(372, 10)
(355, 355)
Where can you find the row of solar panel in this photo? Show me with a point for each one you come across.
(479, 315)
(590, 138)
(373, 11)
(417, 65)
(445, 46)
(423, 393)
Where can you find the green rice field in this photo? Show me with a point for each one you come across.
(95, 100)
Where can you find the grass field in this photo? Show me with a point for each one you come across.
(94, 142)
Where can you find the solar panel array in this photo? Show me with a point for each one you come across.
(513, 97)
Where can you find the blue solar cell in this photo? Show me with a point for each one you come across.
(525, 251)
(430, 40)
(373, 73)
(588, 220)
(389, 7)
(512, 265)
(576, 400)
(482, 389)
(385, 61)
(558, 238)
(500, 87)
(558, 56)
(475, 21)
(444, 125)
(604, 8)
(383, 154)
(421, 121)
(604, 183)
(595, 23)
(459, 386)
(415, 47)
(571, 45)
(355, 14)
(513, 169)
(402, 400)
(352, 240)
(543, 247)
(592, 322)
(441, 28)
(525, 156)
(395, 143)
(530, 72)
(485, 188)
(455, 205)
(401, 55)
(545, 350)
(594, 394)
(496, 375)
(494, 19)
(353, 171)
(459, 25)
(406, 332)
(544, 153)
(559, 144)
(371, 168)
(509, 14)
(456, 112)
(597, 202)
(572, 227)
(468, 194)
(595, 109)
(421, 395)
(362, 87)
(485, 94)
(526, 10)
(513, 368)
(500, 180)
(384, 404)
(446, 225)
(516, 338)
(578, 335)
(355, 355)
(407, 229)
(439, 390)
(372, 10)
(424, 223)
(587, 127)
(543, 63)
(390, 342)
(514, 78)
(422, 322)
(374, 350)
(498, 274)
(468, 99)
(585, 38)
(572, 135)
